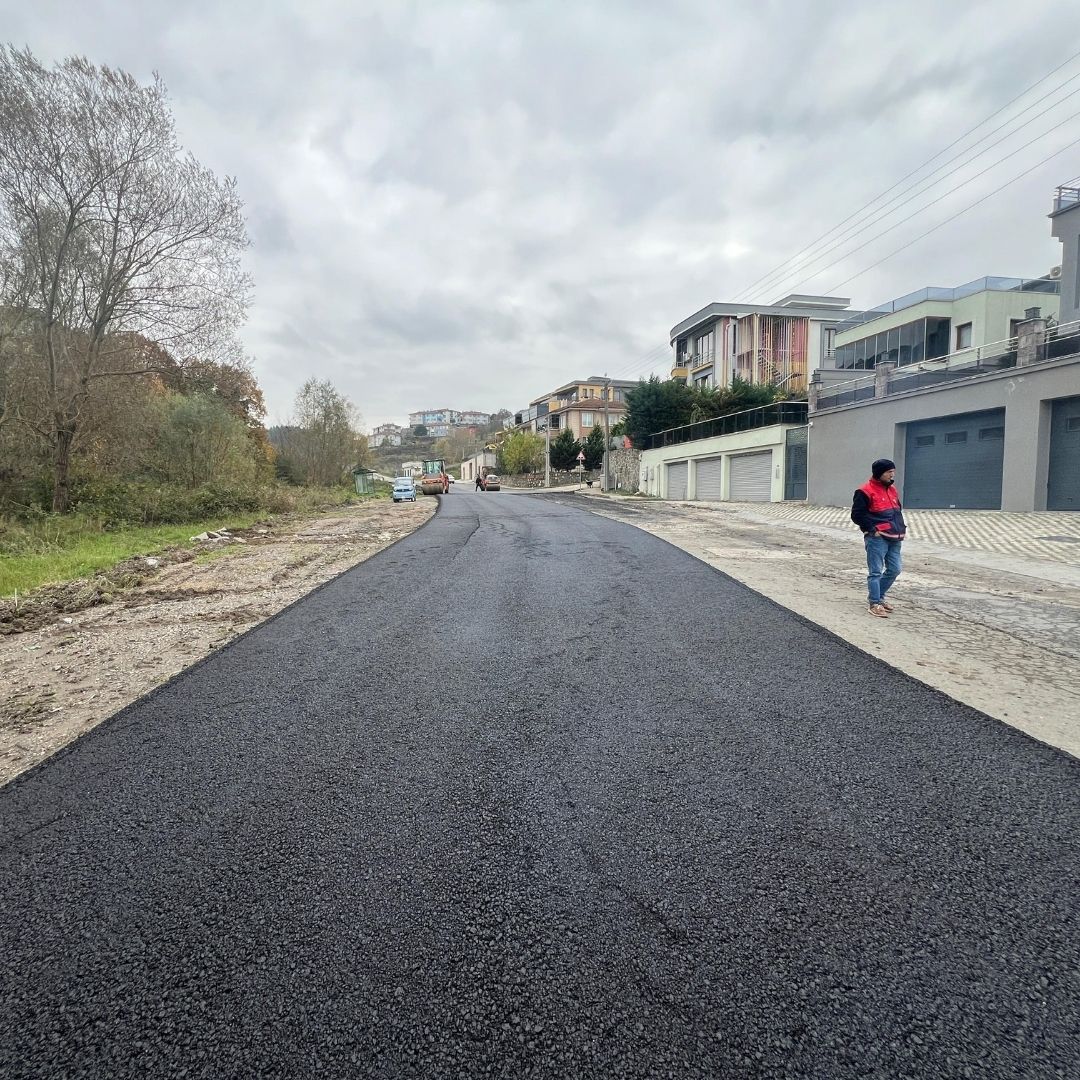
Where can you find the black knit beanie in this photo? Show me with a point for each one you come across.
(880, 466)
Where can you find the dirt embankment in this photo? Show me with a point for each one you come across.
(74, 653)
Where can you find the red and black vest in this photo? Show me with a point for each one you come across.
(883, 509)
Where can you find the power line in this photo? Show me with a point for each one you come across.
(855, 230)
(971, 206)
(915, 171)
(933, 202)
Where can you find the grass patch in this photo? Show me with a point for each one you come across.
(65, 548)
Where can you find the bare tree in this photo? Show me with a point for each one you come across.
(124, 238)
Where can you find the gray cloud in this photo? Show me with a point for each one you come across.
(467, 203)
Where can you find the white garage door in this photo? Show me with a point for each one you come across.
(751, 477)
(676, 480)
(708, 478)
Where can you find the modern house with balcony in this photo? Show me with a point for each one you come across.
(974, 392)
(778, 344)
(933, 323)
(579, 406)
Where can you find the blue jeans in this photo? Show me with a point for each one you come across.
(883, 563)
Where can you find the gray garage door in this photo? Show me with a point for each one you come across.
(708, 478)
(955, 462)
(1063, 492)
(676, 480)
(751, 477)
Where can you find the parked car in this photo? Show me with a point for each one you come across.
(404, 489)
(491, 482)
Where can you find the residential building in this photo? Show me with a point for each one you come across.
(387, 435)
(1065, 219)
(985, 416)
(580, 406)
(439, 421)
(778, 344)
(933, 323)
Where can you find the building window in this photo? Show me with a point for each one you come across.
(924, 440)
(955, 436)
(963, 336)
(991, 433)
(1073, 423)
(828, 342)
(586, 419)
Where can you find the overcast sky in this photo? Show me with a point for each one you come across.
(466, 204)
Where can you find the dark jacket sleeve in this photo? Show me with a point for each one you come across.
(860, 512)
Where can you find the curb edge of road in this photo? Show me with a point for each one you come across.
(115, 717)
(1012, 730)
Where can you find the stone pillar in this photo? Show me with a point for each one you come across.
(882, 374)
(1030, 337)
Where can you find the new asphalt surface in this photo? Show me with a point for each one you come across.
(533, 794)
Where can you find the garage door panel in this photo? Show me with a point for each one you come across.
(676, 480)
(955, 462)
(1063, 488)
(709, 473)
(751, 477)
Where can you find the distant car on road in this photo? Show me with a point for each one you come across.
(404, 489)
(491, 482)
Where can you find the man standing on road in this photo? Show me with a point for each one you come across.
(877, 511)
(479, 481)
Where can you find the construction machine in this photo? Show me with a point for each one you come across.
(434, 479)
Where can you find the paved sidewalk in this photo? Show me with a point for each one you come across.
(1053, 537)
(988, 608)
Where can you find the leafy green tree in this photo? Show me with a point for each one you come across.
(201, 441)
(564, 451)
(721, 400)
(655, 406)
(420, 431)
(594, 448)
(522, 452)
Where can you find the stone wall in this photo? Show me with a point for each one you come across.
(625, 472)
(625, 469)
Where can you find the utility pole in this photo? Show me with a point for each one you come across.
(607, 434)
(547, 450)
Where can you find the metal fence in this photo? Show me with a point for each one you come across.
(780, 412)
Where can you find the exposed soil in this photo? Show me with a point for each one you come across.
(72, 654)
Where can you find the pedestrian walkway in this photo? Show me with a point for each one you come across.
(1053, 537)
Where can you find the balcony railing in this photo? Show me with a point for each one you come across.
(780, 412)
(1065, 197)
(1060, 341)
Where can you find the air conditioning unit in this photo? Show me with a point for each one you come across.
(1055, 273)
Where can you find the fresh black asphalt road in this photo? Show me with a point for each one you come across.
(534, 794)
